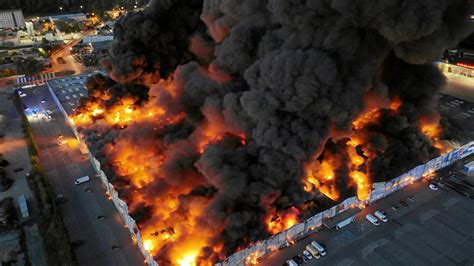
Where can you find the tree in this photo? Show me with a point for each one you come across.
(5, 181)
(28, 66)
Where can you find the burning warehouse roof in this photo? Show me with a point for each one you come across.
(223, 121)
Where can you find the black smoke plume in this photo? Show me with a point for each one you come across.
(284, 73)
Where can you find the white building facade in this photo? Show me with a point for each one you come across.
(12, 18)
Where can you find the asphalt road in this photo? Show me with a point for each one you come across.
(69, 62)
(435, 229)
(460, 87)
(460, 114)
(64, 164)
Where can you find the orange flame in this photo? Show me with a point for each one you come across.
(252, 259)
(322, 176)
(430, 127)
(277, 223)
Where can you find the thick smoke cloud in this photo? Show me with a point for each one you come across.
(155, 41)
(266, 84)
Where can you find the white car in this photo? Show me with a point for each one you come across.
(433, 186)
(372, 219)
(381, 215)
(307, 255)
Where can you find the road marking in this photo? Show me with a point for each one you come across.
(450, 202)
(427, 215)
(399, 232)
(345, 262)
(370, 247)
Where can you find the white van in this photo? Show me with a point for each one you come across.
(81, 180)
(291, 263)
(372, 219)
(319, 248)
(381, 216)
(313, 251)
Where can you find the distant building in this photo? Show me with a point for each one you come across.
(98, 38)
(30, 29)
(12, 18)
(76, 16)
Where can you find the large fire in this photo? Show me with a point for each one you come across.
(220, 126)
(139, 163)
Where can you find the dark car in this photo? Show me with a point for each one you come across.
(19, 169)
(395, 207)
(305, 259)
(298, 259)
(411, 198)
(77, 243)
(403, 203)
(60, 199)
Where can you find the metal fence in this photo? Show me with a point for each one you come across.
(296, 232)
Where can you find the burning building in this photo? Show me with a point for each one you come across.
(222, 122)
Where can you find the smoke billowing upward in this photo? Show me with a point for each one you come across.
(226, 121)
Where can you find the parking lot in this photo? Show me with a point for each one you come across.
(69, 91)
(434, 229)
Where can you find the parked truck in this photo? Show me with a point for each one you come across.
(81, 180)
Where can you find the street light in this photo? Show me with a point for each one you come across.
(81, 6)
(61, 8)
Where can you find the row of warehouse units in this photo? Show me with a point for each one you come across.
(338, 216)
(344, 213)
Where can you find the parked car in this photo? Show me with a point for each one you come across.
(381, 215)
(403, 203)
(60, 199)
(313, 251)
(319, 247)
(298, 259)
(411, 198)
(19, 169)
(372, 219)
(307, 255)
(433, 186)
(395, 207)
(81, 180)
